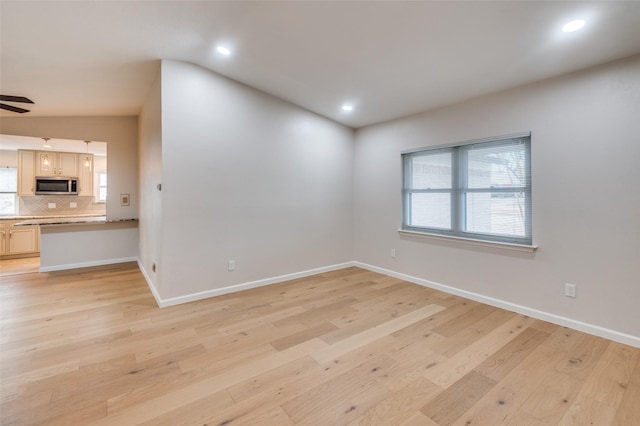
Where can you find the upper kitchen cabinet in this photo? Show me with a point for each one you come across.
(49, 163)
(85, 174)
(26, 172)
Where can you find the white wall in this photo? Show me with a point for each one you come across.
(247, 177)
(78, 246)
(99, 163)
(150, 175)
(585, 165)
(121, 135)
(8, 158)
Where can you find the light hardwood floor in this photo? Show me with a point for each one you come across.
(25, 265)
(349, 347)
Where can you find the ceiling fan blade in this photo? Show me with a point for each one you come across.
(13, 109)
(22, 99)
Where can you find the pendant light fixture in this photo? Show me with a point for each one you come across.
(87, 161)
(45, 160)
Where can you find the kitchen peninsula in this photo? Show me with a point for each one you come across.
(20, 234)
(68, 243)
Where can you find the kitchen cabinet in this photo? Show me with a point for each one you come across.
(4, 236)
(19, 240)
(67, 164)
(50, 163)
(85, 175)
(26, 172)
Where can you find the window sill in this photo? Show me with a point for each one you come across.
(482, 243)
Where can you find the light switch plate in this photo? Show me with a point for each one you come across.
(51, 205)
(73, 205)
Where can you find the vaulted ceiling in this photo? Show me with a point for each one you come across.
(386, 59)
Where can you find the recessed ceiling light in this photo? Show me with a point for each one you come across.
(347, 108)
(572, 26)
(223, 50)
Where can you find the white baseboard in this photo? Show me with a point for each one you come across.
(87, 264)
(149, 281)
(617, 336)
(237, 287)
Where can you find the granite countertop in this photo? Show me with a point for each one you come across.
(58, 216)
(66, 220)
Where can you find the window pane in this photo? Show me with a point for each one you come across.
(502, 166)
(496, 213)
(8, 179)
(7, 203)
(431, 171)
(430, 210)
(102, 187)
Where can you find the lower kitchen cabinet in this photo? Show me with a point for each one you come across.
(4, 236)
(19, 240)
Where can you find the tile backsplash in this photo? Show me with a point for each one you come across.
(38, 205)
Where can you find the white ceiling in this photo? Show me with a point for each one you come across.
(388, 59)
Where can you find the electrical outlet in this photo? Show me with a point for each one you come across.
(393, 253)
(570, 290)
(73, 205)
(231, 266)
(51, 205)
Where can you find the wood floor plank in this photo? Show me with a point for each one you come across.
(501, 405)
(455, 367)
(464, 321)
(271, 380)
(551, 399)
(419, 419)
(399, 407)
(337, 400)
(583, 356)
(585, 410)
(197, 412)
(472, 333)
(179, 397)
(521, 418)
(277, 386)
(453, 311)
(375, 333)
(452, 403)
(293, 339)
(350, 346)
(610, 378)
(497, 366)
(628, 411)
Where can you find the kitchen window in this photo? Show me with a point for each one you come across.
(479, 190)
(8, 190)
(102, 187)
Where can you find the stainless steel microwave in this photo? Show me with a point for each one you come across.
(56, 185)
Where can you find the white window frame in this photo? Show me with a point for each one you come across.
(13, 194)
(459, 190)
